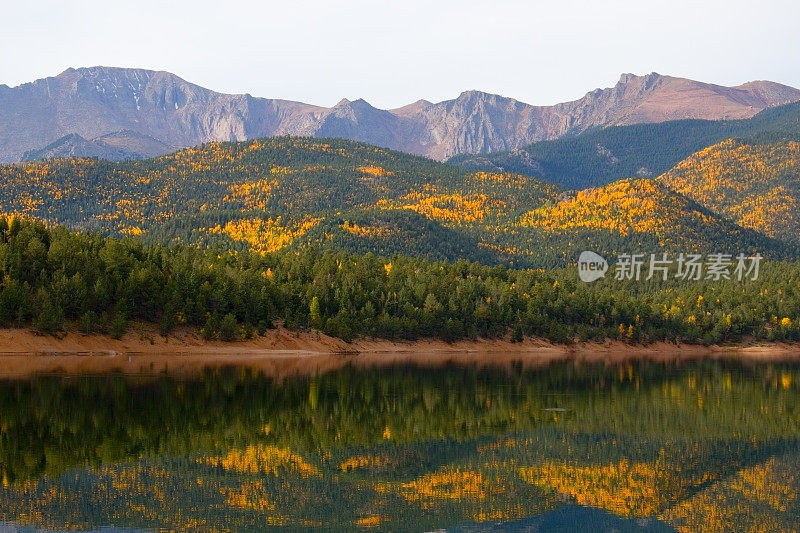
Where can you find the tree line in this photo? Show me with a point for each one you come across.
(51, 279)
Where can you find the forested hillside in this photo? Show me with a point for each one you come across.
(755, 185)
(279, 193)
(52, 278)
(601, 156)
(645, 215)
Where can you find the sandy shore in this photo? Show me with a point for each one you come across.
(281, 352)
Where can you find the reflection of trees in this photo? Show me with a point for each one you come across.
(402, 447)
(52, 423)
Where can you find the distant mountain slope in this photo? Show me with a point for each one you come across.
(601, 156)
(112, 146)
(755, 185)
(73, 145)
(283, 192)
(94, 102)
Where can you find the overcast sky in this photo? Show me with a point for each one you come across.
(393, 53)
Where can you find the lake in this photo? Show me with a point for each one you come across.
(710, 445)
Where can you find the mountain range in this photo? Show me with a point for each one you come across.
(122, 113)
(600, 156)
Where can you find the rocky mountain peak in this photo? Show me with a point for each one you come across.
(627, 78)
(163, 111)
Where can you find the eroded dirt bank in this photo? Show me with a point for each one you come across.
(281, 352)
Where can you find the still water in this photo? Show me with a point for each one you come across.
(692, 446)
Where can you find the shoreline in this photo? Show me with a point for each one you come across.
(281, 353)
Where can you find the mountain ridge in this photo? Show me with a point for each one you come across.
(96, 101)
(600, 156)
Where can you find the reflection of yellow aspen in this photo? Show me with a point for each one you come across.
(448, 485)
(370, 521)
(387, 433)
(262, 459)
(313, 394)
(786, 380)
(623, 488)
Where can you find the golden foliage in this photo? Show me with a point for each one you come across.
(262, 459)
(452, 208)
(253, 194)
(218, 183)
(514, 180)
(754, 499)
(375, 171)
(448, 484)
(622, 207)
(625, 489)
(365, 231)
(756, 185)
(200, 159)
(371, 521)
(251, 495)
(255, 146)
(133, 231)
(265, 235)
(767, 484)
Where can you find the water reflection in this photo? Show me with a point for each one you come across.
(637, 446)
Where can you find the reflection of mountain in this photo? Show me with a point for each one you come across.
(405, 448)
(570, 518)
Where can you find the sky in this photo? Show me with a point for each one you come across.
(394, 53)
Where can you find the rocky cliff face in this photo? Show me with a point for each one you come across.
(657, 98)
(477, 122)
(142, 113)
(98, 101)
